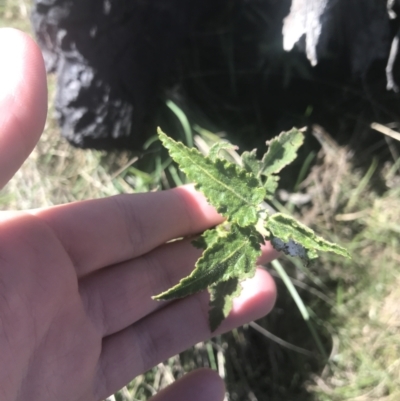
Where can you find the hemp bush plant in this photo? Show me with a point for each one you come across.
(231, 249)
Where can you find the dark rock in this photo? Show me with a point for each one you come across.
(224, 62)
(112, 58)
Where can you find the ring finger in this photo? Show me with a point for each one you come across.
(120, 295)
(117, 296)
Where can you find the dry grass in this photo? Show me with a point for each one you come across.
(365, 359)
(15, 13)
(56, 173)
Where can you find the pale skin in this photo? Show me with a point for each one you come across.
(77, 321)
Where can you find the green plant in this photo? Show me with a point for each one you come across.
(232, 248)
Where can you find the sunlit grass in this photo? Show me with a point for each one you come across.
(15, 13)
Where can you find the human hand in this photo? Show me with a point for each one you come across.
(77, 321)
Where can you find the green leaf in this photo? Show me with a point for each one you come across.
(282, 151)
(251, 163)
(218, 147)
(221, 300)
(231, 256)
(233, 191)
(290, 236)
(270, 185)
(209, 237)
(231, 249)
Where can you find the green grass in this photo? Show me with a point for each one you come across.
(15, 13)
(353, 306)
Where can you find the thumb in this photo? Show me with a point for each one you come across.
(23, 100)
(199, 385)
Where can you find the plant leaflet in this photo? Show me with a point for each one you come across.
(231, 249)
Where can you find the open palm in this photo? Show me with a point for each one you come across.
(77, 321)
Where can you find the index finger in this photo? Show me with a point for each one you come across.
(102, 232)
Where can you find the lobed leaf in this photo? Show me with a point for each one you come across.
(233, 191)
(294, 235)
(271, 185)
(231, 249)
(251, 163)
(218, 147)
(230, 256)
(221, 300)
(209, 237)
(282, 151)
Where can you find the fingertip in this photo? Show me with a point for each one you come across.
(199, 385)
(198, 208)
(23, 99)
(258, 295)
(269, 253)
